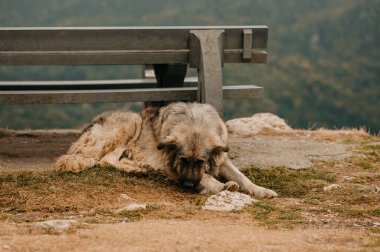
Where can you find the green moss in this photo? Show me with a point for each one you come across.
(273, 216)
(369, 159)
(375, 212)
(290, 183)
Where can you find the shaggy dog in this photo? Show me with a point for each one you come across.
(187, 141)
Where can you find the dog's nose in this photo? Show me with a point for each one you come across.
(188, 183)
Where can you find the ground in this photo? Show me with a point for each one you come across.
(304, 217)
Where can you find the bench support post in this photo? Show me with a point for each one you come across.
(206, 54)
(168, 76)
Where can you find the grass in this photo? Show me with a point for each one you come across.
(94, 194)
(273, 216)
(290, 183)
(52, 191)
(370, 157)
(302, 199)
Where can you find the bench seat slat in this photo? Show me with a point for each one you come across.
(122, 95)
(85, 84)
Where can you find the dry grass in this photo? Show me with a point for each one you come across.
(93, 195)
(344, 135)
(31, 196)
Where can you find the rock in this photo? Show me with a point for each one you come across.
(348, 178)
(125, 197)
(56, 224)
(249, 126)
(330, 187)
(227, 201)
(376, 189)
(131, 207)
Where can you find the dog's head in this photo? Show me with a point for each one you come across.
(192, 152)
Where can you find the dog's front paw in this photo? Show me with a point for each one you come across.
(265, 193)
(211, 189)
(231, 186)
(261, 192)
(147, 168)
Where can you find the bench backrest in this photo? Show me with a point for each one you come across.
(123, 45)
(168, 49)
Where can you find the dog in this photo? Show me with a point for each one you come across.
(186, 141)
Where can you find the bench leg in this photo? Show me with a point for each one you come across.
(168, 75)
(206, 54)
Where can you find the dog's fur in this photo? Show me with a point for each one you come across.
(188, 141)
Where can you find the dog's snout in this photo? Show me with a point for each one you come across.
(188, 183)
(189, 172)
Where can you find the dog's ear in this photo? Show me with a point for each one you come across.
(168, 142)
(150, 113)
(219, 149)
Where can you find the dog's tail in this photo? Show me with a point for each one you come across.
(74, 163)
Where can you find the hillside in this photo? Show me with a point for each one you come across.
(323, 67)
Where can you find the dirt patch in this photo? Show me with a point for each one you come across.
(194, 235)
(36, 149)
(268, 151)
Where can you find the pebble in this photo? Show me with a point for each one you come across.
(330, 187)
(125, 197)
(56, 224)
(348, 178)
(131, 207)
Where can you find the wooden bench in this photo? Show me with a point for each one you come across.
(168, 49)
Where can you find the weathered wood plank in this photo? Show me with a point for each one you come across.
(235, 56)
(92, 57)
(242, 92)
(122, 95)
(115, 57)
(247, 44)
(85, 84)
(118, 38)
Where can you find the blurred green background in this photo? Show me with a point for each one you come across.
(323, 68)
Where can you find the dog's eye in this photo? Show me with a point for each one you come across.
(199, 162)
(184, 160)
